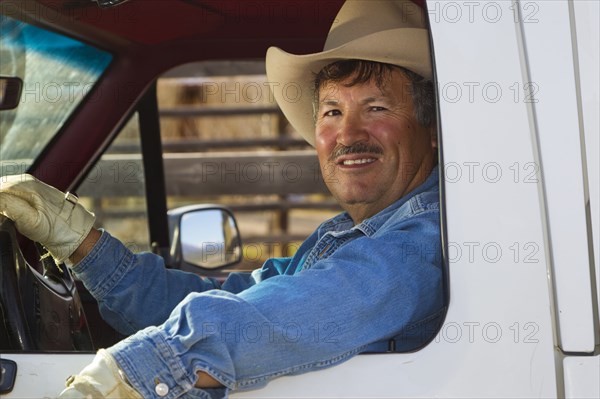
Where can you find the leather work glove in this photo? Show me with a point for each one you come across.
(100, 379)
(45, 214)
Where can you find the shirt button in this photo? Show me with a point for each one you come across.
(161, 389)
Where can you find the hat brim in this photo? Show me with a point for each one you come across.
(291, 76)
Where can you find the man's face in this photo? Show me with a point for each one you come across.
(371, 149)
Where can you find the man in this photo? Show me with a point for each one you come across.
(362, 278)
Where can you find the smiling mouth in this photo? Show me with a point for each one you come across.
(360, 161)
(359, 155)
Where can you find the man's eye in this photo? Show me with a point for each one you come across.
(331, 112)
(377, 108)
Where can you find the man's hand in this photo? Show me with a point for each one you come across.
(100, 379)
(45, 214)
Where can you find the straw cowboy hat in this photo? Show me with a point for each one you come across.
(388, 31)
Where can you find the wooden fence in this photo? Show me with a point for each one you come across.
(282, 171)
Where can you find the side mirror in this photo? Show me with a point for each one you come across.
(10, 92)
(204, 236)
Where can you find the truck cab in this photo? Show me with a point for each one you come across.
(518, 125)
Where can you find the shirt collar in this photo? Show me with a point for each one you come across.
(369, 226)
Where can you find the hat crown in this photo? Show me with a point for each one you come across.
(386, 31)
(355, 19)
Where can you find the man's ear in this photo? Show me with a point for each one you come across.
(434, 137)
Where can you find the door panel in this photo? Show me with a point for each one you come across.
(497, 338)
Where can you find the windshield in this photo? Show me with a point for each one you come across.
(57, 73)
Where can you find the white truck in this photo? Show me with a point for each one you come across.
(518, 87)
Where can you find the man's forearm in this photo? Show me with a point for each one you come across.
(206, 381)
(85, 247)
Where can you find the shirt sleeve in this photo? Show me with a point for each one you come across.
(135, 291)
(367, 290)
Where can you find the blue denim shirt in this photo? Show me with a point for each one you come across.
(348, 289)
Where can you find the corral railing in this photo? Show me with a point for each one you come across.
(283, 181)
(278, 174)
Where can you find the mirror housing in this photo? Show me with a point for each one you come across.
(203, 237)
(10, 92)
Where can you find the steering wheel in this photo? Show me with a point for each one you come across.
(39, 303)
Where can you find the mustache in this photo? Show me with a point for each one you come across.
(360, 148)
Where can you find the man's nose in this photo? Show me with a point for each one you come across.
(352, 130)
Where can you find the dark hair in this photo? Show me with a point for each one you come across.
(421, 89)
